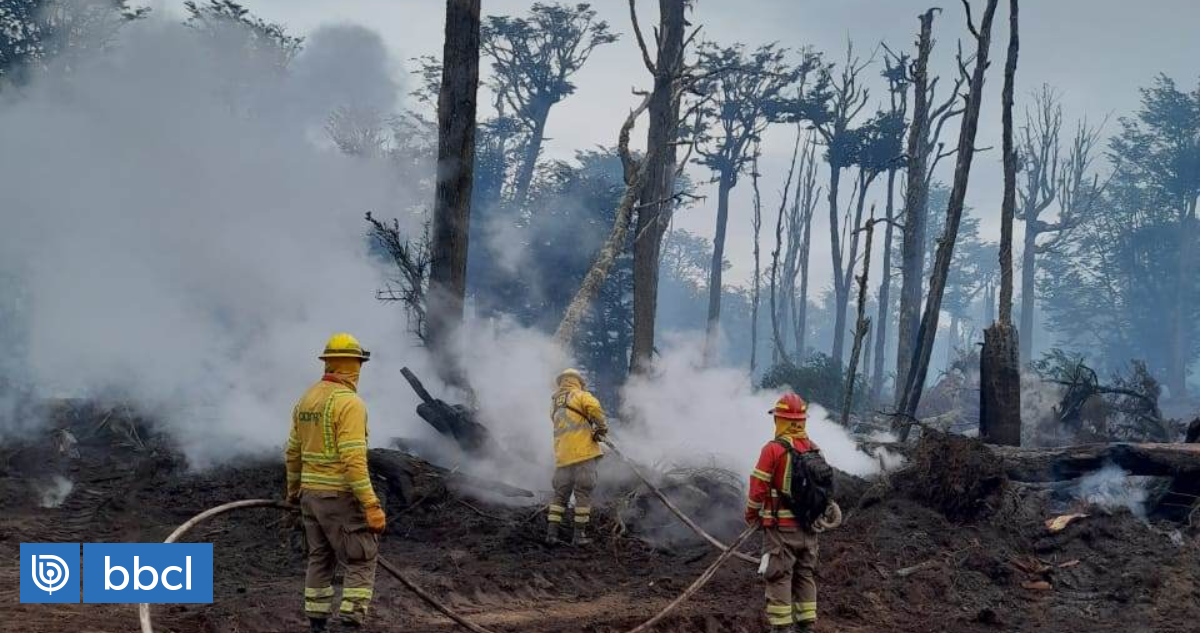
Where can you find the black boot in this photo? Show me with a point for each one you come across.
(552, 534)
(580, 538)
(318, 625)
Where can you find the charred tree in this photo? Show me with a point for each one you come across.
(999, 361)
(924, 153)
(452, 201)
(962, 172)
(656, 202)
(778, 340)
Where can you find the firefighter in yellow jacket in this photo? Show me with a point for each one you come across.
(327, 476)
(579, 426)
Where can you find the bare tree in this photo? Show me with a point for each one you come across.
(657, 199)
(999, 361)
(965, 155)
(1051, 178)
(455, 172)
(849, 97)
(746, 93)
(805, 201)
(412, 261)
(533, 60)
(779, 345)
(924, 151)
(896, 74)
(756, 282)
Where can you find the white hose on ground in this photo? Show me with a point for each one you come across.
(148, 626)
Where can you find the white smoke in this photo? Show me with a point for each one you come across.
(193, 255)
(688, 412)
(1111, 487)
(54, 492)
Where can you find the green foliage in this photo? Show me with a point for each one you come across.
(36, 33)
(819, 379)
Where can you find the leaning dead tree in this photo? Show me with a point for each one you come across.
(671, 80)
(455, 175)
(982, 35)
(635, 175)
(862, 324)
(999, 361)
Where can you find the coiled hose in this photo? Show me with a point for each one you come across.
(148, 626)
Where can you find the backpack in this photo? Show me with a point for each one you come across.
(811, 486)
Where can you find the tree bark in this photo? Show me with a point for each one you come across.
(452, 201)
(1000, 360)
(912, 254)
(835, 247)
(927, 331)
(654, 214)
(802, 303)
(712, 339)
(1028, 278)
(757, 281)
(885, 293)
(533, 149)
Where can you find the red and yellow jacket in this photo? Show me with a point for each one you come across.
(773, 473)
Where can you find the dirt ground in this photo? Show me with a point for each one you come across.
(896, 565)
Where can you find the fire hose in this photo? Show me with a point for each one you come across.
(148, 627)
(831, 518)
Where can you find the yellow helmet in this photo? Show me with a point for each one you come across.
(343, 345)
(570, 373)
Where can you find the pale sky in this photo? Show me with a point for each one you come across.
(1097, 53)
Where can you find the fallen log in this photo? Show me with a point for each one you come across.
(454, 421)
(1070, 462)
(1044, 465)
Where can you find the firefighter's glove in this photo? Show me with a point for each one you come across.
(293, 496)
(376, 520)
(599, 434)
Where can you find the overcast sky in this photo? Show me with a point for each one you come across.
(1096, 52)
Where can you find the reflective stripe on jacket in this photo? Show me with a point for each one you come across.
(575, 414)
(327, 448)
(773, 473)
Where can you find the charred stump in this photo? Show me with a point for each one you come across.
(454, 421)
(1000, 386)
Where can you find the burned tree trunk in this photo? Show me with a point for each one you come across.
(912, 252)
(1000, 360)
(455, 174)
(958, 193)
(456, 421)
(653, 216)
(1000, 386)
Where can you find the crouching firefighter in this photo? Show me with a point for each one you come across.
(579, 427)
(327, 476)
(789, 490)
